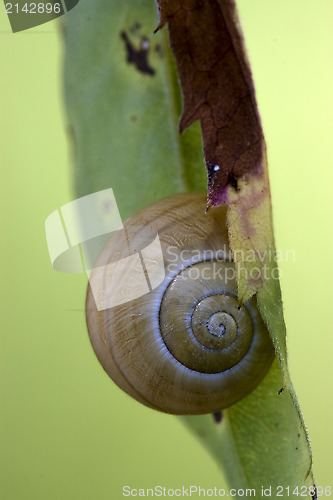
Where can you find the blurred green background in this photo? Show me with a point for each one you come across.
(66, 431)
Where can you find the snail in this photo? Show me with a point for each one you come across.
(187, 346)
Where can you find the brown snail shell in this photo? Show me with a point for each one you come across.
(187, 346)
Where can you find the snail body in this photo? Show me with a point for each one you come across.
(187, 346)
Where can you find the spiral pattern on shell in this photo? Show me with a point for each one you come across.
(187, 346)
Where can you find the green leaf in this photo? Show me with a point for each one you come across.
(124, 123)
(261, 440)
(123, 105)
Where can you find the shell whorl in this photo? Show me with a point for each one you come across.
(187, 346)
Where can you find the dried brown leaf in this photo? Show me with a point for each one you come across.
(217, 89)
